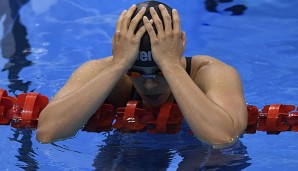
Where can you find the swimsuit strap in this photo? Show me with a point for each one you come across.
(188, 64)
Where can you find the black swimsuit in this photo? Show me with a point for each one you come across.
(136, 96)
(188, 64)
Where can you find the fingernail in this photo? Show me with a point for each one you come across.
(133, 5)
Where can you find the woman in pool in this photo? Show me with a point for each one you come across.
(209, 93)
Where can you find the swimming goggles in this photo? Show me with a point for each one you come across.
(137, 74)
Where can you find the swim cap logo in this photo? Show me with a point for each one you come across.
(145, 56)
(145, 59)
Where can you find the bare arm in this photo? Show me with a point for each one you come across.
(75, 103)
(91, 84)
(212, 100)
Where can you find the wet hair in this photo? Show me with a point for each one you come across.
(145, 58)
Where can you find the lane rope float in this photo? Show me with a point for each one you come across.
(22, 112)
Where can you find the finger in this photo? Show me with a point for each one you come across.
(166, 18)
(149, 29)
(127, 17)
(176, 21)
(120, 19)
(135, 21)
(142, 30)
(157, 22)
(116, 37)
(183, 37)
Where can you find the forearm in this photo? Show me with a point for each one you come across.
(208, 120)
(77, 102)
(64, 116)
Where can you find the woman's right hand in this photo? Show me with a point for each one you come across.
(126, 41)
(80, 97)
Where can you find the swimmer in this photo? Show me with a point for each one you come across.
(147, 64)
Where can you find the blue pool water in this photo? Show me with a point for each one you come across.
(43, 42)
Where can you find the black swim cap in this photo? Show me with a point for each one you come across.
(145, 58)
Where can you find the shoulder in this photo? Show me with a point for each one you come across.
(98, 63)
(203, 64)
(200, 61)
(83, 74)
(207, 71)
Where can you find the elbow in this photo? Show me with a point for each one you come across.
(230, 137)
(219, 141)
(48, 134)
(224, 139)
(228, 140)
(43, 136)
(224, 142)
(44, 133)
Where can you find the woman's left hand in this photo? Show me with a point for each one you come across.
(168, 43)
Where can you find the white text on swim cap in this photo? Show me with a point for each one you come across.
(145, 56)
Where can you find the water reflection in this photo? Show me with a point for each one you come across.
(204, 158)
(26, 153)
(175, 152)
(14, 43)
(121, 152)
(212, 6)
(13, 46)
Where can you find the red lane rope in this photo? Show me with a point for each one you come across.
(23, 112)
